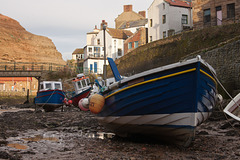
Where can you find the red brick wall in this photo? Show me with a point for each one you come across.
(139, 36)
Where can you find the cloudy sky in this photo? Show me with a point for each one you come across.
(66, 22)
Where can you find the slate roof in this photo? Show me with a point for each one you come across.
(132, 24)
(78, 51)
(119, 33)
(179, 3)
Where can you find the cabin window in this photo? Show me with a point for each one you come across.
(41, 86)
(79, 84)
(88, 81)
(57, 86)
(84, 83)
(231, 10)
(48, 86)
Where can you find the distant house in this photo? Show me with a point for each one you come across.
(217, 12)
(124, 19)
(137, 39)
(78, 54)
(94, 50)
(167, 17)
(134, 22)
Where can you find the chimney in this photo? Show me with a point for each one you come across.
(127, 8)
(143, 13)
(103, 22)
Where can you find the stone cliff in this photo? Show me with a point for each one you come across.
(19, 45)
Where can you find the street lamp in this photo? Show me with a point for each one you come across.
(104, 46)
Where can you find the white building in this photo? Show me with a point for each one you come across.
(168, 17)
(94, 51)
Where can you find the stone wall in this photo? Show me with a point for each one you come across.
(226, 61)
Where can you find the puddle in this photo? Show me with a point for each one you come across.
(38, 138)
(17, 146)
(15, 110)
(100, 135)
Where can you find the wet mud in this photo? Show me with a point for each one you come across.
(74, 134)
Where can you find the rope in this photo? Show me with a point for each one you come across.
(221, 109)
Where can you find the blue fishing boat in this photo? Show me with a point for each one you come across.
(50, 95)
(166, 103)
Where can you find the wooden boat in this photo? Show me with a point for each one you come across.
(50, 95)
(233, 108)
(166, 103)
(82, 88)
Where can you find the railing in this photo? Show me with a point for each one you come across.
(28, 66)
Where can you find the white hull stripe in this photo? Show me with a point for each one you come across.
(181, 119)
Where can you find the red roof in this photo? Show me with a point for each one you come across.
(179, 3)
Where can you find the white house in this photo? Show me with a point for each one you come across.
(94, 50)
(167, 17)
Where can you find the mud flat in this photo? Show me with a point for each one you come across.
(75, 134)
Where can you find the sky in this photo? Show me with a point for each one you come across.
(67, 22)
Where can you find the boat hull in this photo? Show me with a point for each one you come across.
(165, 103)
(75, 99)
(50, 99)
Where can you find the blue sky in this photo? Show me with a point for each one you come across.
(66, 22)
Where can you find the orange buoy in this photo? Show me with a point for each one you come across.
(96, 103)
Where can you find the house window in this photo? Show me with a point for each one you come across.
(163, 5)
(98, 41)
(207, 16)
(135, 44)
(90, 49)
(96, 49)
(164, 34)
(184, 19)
(150, 38)
(119, 52)
(231, 10)
(130, 45)
(164, 19)
(151, 23)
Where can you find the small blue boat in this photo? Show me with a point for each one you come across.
(50, 95)
(166, 103)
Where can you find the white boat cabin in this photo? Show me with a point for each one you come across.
(81, 83)
(50, 85)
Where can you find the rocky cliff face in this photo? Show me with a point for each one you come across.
(19, 45)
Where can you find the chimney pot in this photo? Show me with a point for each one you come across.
(127, 8)
(143, 13)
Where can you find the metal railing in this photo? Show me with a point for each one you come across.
(30, 66)
(34, 66)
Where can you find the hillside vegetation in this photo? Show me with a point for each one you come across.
(175, 48)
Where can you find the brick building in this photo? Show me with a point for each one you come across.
(137, 39)
(215, 12)
(18, 84)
